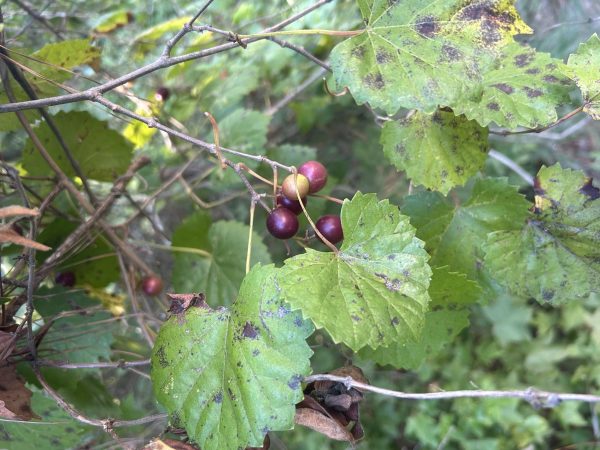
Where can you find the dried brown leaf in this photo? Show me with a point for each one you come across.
(322, 424)
(8, 235)
(16, 210)
(15, 398)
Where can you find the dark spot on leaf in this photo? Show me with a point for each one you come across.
(249, 331)
(162, 357)
(533, 71)
(427, 26)
(551, 66)
(294, 382)
(374, 81)
(356, 318)
(298, 321)
(450, 53)
(493, 106)
(400, 149)
(218, 398)
(391, 257)
(548, 295)
(459, 170)
(551, 79)
(444, 174)
(358, 52)
(395, 321)
(523, 59)
(255, 352)
(532, 93)
(504, 88)
(590, 190)
(383, 57)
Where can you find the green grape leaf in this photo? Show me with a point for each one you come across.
(231, 375)
(397, 61)
(583, 67)
(438, 151)
(510, 319)
(76, 337)
(519, 87)
(95, 264)
(54, 429)
(107, 23)
(147, 40)
(555, 257)
(52, 62)
(450, 293)
(102, 153)
(219, 275)
(374, 291)
(454, 233)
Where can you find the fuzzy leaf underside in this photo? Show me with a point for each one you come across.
(231, 375)
(374, 291)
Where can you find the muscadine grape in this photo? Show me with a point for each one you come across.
(67, 279)
(282, 223)
(162, 94)
(330, 227)
(293, 205)
(152, 285)
(291, 184)
(316, 173)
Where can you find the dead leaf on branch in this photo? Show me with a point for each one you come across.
(16, 210)
(332, 409)
(9, 235)
(15, 398)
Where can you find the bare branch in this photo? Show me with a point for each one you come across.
(538, 399)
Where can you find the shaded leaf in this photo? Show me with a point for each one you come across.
(374, 291)
(242, 371)
(219, 275)
(455, 233)
(102, 153)
(583, 67)
(438, 151)
(554, 257)
(81, 331)
(95, 263)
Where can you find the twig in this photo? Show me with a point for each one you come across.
(296, 91)
(98, 365)
(301, 51)
(41, 19)
(163, 62)
(538, 399)
(505, 160)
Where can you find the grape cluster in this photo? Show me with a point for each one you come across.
(282, 222)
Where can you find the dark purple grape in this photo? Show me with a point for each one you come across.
(316, 174)
(331, 228)
(292, 205)
(162, 94)
(282, 223)
(66, 279)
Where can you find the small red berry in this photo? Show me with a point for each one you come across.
(282, 223)
(152, 285)
(316, 174)
(331, 228)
